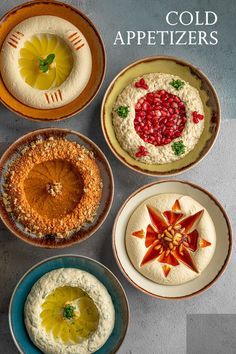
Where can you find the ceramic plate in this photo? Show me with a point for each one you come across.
(78, 19)
(189, 73)
(16, 309)
(107, 194)
(223, 240)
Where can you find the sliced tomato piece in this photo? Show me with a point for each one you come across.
(157, 219)
(166, 270)
(151, 254)
(168, 258)
(151, 236)
(204, 243)
(176, 206)
(191, 221)
(192, 240)
(172, 217)
(139, 233)
(185, 258)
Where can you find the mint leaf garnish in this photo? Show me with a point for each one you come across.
(177, 84)
(44, 63)
(123, 111)
(68, 312)
(50, 59)
(178, 148)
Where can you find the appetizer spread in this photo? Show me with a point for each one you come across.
(45, 62)
(53, 187)
(170, 238)
(158, 118)
(69, 311)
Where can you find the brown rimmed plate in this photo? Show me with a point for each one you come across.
(78, 19)
(218, 262)
(189, 73)
(107, 195)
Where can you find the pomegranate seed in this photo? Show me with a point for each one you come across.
(141, 152)
(174, 105)
(168, 140)
(160, 117)
(144, 106)
(197, 117)
(177, 134)
(141, 84)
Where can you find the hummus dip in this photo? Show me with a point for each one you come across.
(158, 118)
(69, 311)
(170, 239)
(45, 62)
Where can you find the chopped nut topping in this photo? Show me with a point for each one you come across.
(54, 188)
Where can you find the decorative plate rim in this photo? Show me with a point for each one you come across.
(7, 153)
(64, 256)
(222, 269)
(103, 124)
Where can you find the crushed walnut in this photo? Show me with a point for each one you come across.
(54, 188)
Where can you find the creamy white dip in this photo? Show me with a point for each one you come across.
(124, 129)
(74, 278)
(136, 249)
(71, 87)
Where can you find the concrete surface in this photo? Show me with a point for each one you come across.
(156, 327)
(212, 334)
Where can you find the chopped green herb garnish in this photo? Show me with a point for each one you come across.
(122, 111)
(178, 148)
(44, 63)
(69, 312)
(177, 84)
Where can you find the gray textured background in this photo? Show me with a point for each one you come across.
(211, 334)
(156, 326)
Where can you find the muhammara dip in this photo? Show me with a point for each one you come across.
(170, 238)
(53, 187)
(69, 311)
(158, 118)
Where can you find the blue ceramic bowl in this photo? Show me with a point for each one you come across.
(16, 309)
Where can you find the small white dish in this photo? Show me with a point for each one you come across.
(223, 244)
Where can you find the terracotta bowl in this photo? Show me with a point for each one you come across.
(77, 18)
(107, 195)
(220, 257)
(189, 73)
